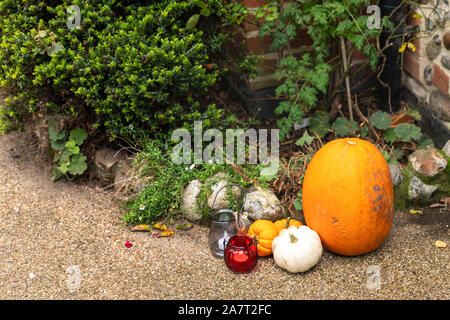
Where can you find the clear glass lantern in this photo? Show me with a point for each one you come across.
(223, 225)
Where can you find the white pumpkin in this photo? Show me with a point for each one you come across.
(297, 249)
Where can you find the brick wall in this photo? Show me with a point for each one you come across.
(269, 60)
(427, 70)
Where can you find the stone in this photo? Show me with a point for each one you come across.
(430, 24)
(445, 60)
(446, 148)
(122, 173)
(428, 162)
(104, 161)
(189, 205)
(428, 75)
(446, 40)
(222, 197)
(442, 13)
(261, 203)
(417, 190)
(433, 48)
(439, 103)
(396, 174)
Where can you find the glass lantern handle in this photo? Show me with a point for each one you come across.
(230, 185)
(239, 214)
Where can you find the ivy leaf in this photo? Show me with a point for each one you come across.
(319, 123)
(343, 127)
(78, 136)
(306, 138)
(381, 120)
(408, 131)
(192, 22)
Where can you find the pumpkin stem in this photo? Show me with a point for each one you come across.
(293, 238)
(288, 220)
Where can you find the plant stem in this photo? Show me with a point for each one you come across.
(347, 77)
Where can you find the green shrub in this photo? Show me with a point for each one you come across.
(131, 68)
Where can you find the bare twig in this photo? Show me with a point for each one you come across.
(364, 119)
(347, 77)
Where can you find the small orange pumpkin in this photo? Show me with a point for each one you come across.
(264, 231)
(281, 224)
(348, 196)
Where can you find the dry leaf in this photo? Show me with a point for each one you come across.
(184, 226)
(167, 233)
(437, 205)
(142, 227)
(440, 244)
(159, 226)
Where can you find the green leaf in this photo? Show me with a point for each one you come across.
(306, 138)
(298, 204)
(78, 136)
(388, 159)
(344, 127)
(192, 22)
(425, 142)
(408, 131)
(72, 147)
(364, 131)
(319, 123)
(381, 120)
(205, 12)
(77, 164)
(415, 114)
(389, 135)
(58, 144)
(201, 4)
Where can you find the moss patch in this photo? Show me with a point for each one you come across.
(442, 180)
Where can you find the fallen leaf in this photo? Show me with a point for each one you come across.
(167, 233)
(128, 244)
(400, 118)
(184, 226)
(159, 226)
(415, 211)
(440, 244)
(142, 227)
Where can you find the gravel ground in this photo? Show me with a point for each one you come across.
(49, 232)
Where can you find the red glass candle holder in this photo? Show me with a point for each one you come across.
(240, 254)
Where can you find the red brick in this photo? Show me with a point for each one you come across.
(254, 3)
(411, 65)
(258, 46)
(411, 20)
(251, 23)
(302, 39)
(440, 79)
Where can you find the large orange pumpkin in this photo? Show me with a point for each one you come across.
(348, 196)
